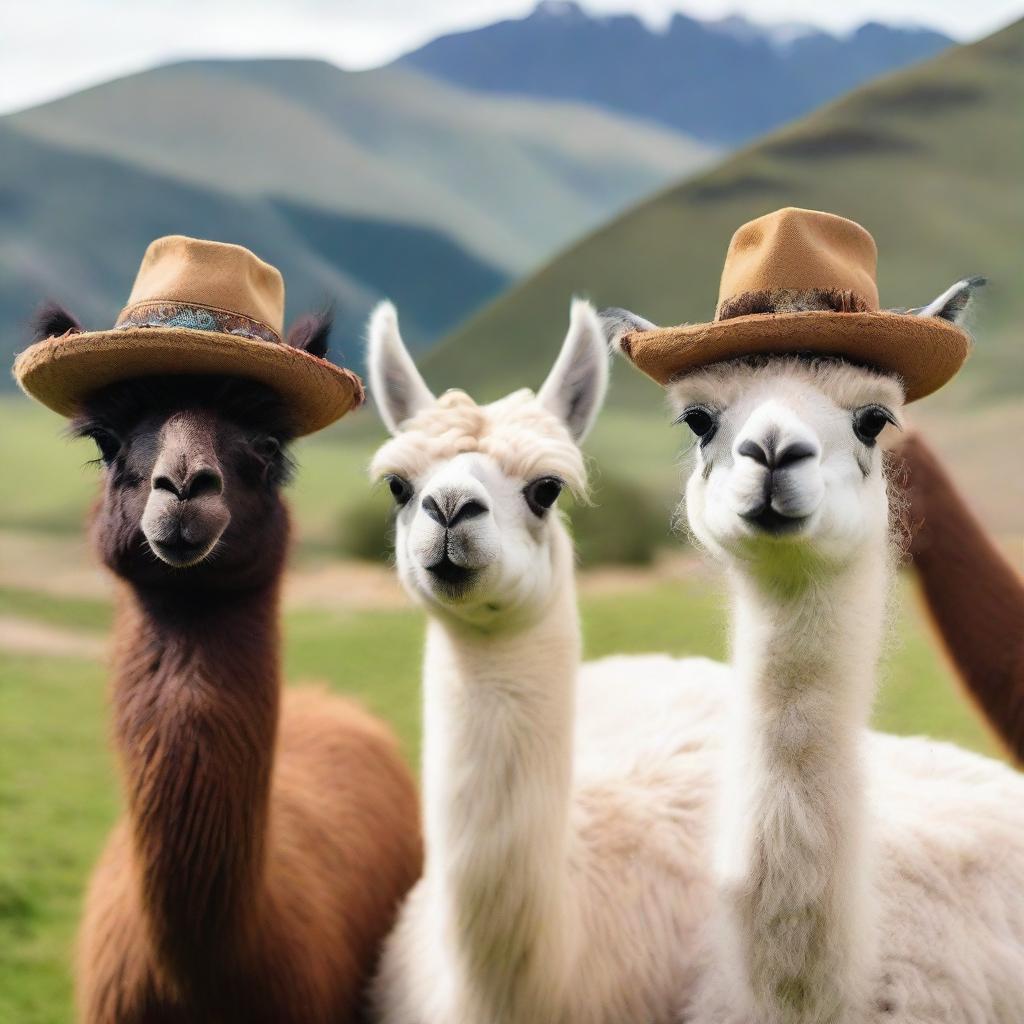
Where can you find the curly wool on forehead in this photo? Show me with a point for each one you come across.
(525, 439)
(847, 384)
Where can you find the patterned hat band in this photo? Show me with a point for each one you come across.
(194, 318)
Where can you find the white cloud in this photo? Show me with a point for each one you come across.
(51, 47)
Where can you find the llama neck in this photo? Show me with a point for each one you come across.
(793, 861)
(196, 694)
(971, 590)
(497, 774)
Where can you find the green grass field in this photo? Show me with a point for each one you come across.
(58, 791)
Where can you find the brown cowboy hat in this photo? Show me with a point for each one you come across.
(801, 281)
(196, 307)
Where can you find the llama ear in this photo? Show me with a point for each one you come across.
(577, 383)
(954, 302)
(396, 385)
(617, 323)
(312, 332)
(51, 320)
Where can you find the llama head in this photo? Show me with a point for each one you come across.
(192, 469)
(786, 457)
(192, 472)
(477, 536)
(787, 460)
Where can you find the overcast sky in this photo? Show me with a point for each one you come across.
(50, 47)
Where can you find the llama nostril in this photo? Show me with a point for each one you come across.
(431, 507)
(196, 485)
(469, 509)
(203, 482)
(770, 457)
(451, 510)
(752, 450)
(165, 483)
(795, 452)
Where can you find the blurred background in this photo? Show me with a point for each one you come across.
(478, 163)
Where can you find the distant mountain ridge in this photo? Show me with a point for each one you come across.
(722, 81)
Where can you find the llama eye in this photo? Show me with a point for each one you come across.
(701, 420)
(542, 494)
(870, 421)
(271, 463)
(267, 447)
(401, 489)
(108, 443)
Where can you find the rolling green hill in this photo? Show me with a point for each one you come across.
(505, 178)
(356, 185)
(930, 160)
(73, 226)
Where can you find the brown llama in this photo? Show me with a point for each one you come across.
(267, 840)
(974, 597)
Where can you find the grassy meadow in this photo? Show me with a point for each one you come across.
(379, 183)
(347, 627)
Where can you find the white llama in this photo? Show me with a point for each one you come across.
(860, 877)
(566, 877)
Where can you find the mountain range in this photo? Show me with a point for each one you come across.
(418, 181)
(724, 81)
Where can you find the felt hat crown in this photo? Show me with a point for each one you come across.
(197, 307)
(801, 251)
(803, 281)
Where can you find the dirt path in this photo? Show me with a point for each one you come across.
(27, 636)
(61, 566)
(375, 587)
(359, 585)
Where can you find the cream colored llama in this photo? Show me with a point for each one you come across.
(860, 878)
(566, 876)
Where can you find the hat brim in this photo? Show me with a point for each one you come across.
(61, 372)
(924, 352)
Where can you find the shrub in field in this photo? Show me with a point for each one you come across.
(625, 525)
(365, 527)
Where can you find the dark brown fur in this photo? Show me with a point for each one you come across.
(973, 594)
(52, 320)
(788, 300)
(266, 842)
(311, 332)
